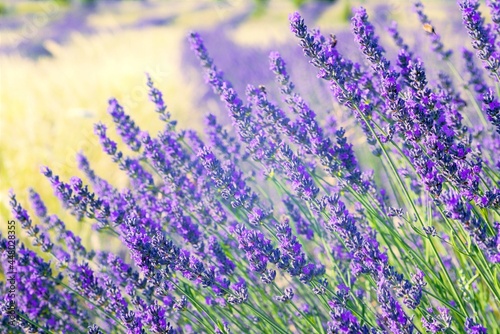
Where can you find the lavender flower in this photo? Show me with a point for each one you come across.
(37, 203)
(476, 81)
(393, 317)
(491, 107)
(239, 293)
(157, 318)
(247, 129)
(482, 38)
(79, 199)
(287, 296)
(94, 329)
(302, 182)
(457, 209)
(495, 13)
(258, 249)
(139, 176)
(222, 141)
(20, 214)
(437, 324)
(227, 266)
(231, 185)
(342, 320)
(367, 256)
(422, 117)
(335, 69)
(156, 97)
(38, 297)
(125, 125)
(334, 159)
(473, 328)
(302, 225)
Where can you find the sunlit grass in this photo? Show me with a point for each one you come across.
(48, 106)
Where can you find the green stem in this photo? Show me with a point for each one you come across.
(468, 92)
(266, 318)
(34, 323)
(300, 312)
(94, 304)
(196, 304)
(408, 197)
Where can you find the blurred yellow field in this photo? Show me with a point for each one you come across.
(48, 106)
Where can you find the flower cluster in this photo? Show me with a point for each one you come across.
(279, 222)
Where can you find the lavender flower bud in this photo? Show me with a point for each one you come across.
(287, 296)
(472, 327)
(125, 126)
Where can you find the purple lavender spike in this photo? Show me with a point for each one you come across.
(125, 126)
(483, 39)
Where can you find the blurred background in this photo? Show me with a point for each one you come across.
(60, 62)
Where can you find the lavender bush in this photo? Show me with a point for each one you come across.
(272, 225)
